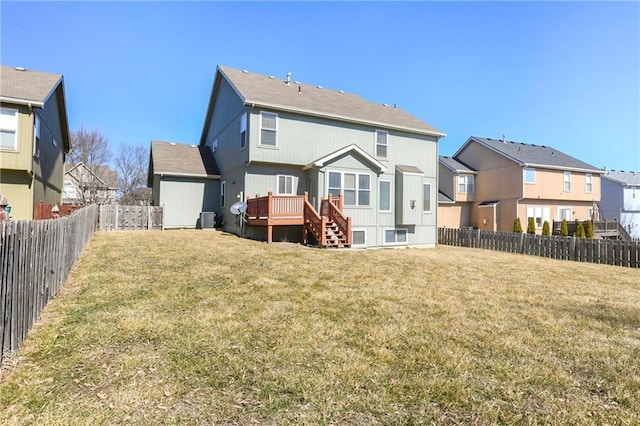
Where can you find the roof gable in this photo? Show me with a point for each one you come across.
(34, 88)
(350, 149)
(530, 155)
(273, 93)
(178, 159)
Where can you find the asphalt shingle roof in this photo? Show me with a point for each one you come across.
(22, 85)
(182, 159)
(535, 155)
(456, 165)
(627, 178)
(313, 100)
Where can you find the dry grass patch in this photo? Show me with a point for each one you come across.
(201, 327)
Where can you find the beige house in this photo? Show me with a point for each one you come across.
(34, 138)
(89, 185)
(490, 182)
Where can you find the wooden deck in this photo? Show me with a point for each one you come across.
(280, 210)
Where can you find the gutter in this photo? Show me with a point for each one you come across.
(214, 177)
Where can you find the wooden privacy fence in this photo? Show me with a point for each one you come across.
(36, 257)
(114, 217)
(605, 251)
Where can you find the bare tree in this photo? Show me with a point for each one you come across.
(89, 147)
(131, 164)
(88, 171)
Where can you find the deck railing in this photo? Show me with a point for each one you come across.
(274, 207)
(315, 223)
(333, 210)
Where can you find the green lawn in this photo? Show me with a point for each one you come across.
(199, 327)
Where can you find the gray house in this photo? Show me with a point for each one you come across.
(312, 163)
(185, 181)
(621, 199)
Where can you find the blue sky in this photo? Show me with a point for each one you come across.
(561, 74)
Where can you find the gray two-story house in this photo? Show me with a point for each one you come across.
(315, 164)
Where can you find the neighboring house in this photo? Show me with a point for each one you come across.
(621, 200)
(456, 191)
(304, 143)
(34, 138)
(185, 181)
(89, 185)
(504, 180)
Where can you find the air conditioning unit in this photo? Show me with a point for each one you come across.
(207, 220)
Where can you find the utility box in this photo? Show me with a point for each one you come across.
(207, 220)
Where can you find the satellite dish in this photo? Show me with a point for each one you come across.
(238, 208)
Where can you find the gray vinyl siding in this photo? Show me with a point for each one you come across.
(447, 182)
(184, 198)
(612, 199)
(263, 178)
(225, 125)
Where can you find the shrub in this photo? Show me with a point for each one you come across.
(517, 226)
(546, 229)
(590, 233)
(564, 228)
(579, 230)
(531, 226)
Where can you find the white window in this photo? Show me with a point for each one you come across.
(8, 128)
(215, 143)
(426, 198)
(589, 179)
(539, 214)
(354, 187)
(465, 184)
(385, 196)
(285, 185)
(36, 137)
(243, 131)
(223, 192)
(268, 128)
(358, 238)
(395, 236)
(382, 143)
(564, 213)
(529, 175)
(567, 181)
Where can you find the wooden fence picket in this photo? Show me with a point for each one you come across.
(611, 252)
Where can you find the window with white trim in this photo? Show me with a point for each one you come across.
(358, 238)
(529, 175)
(565, 213)
(285, 185)
(385, 196)
(539, 214)
(382, 143)
(589, 183)
(567, 181)
(426, 198)
(465, 184)
(354, 187)
(268, 128)
(8, 128)
(223, 192)
(214, 144)
(243, 130)
(395, 236)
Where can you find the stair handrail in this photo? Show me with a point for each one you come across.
(314, 222)
(336, 216)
